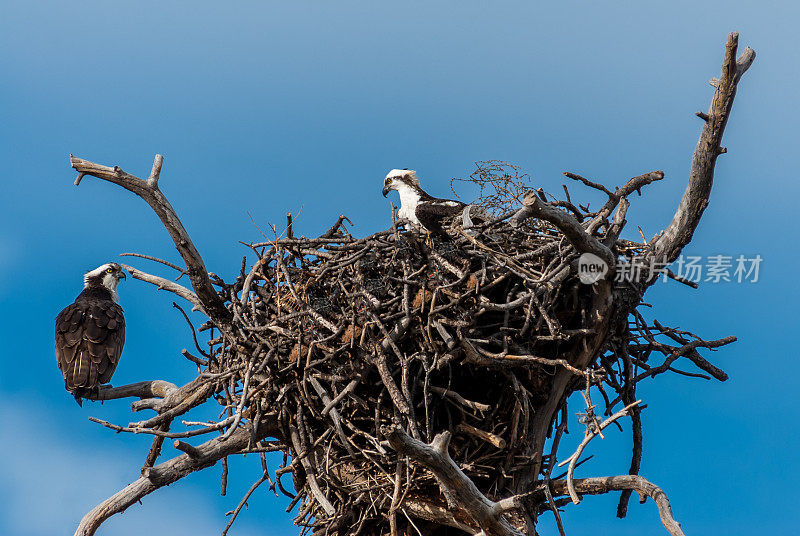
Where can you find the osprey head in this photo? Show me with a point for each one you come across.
(399, 179)
(107, 275)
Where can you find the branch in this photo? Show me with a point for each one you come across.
(165, 284)
(438, 515)
(204, 455)
(460, 399)
(666, 247)
(159, 430)
(688, 350)
(156, 259)
(243, 502)
(148, 190)
(572, 460)
(633, 185)
(454, 483)
(583, 242)
(587, 182)
(606, 484)
(149, 389)
(617, 223)
(672, 240)
(177, 403)
(191, 450)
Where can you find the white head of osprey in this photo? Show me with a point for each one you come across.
(591, 268)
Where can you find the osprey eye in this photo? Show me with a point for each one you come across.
(110, 270)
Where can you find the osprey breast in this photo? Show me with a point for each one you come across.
(408, 206)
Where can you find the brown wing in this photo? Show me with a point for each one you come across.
(113, 343)
(431, 214)
(89, 341)
(69, 337)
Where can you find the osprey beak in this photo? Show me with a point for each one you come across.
(122, 275)
(386, 191)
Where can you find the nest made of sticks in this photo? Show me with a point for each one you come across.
(347, 335)
(343, 336)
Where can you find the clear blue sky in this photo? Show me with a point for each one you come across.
(264, 107)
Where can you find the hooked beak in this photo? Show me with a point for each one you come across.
(386, 191)
(122, 275)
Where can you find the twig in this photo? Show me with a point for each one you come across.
(155, 259)
(589, 436)
(171, 471)
(243, 502)
(165, 284)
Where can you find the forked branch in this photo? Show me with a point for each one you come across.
(591, 434)
(166, 473)
(454, 483)
(615, 198)
(149, 191)
(582, 241)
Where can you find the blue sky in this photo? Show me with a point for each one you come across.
(266, 107)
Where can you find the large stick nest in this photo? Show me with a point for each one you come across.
(344, 336)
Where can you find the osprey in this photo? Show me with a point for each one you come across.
(90, 333)
(416, 205)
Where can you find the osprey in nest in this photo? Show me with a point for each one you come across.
(90, 333)
(420, 208)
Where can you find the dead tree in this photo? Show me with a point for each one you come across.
(412, 383)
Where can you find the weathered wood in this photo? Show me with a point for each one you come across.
(583, 242)
(171, 471)
(148, 389)
(606, 484)
(148, 190)
(165, 284)
(454, 483)
(671, 241)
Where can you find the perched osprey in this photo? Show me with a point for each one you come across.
(416, 205)
(90, 333)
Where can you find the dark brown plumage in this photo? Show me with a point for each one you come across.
(90, 334)
(432, 212)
